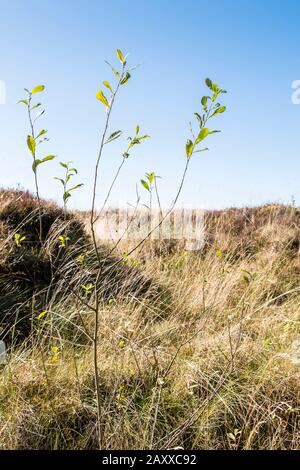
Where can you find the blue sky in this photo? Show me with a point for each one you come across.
(248, 47)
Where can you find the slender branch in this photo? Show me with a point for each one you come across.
(35, 172)
(110, 189)
(92, 218)
(92, 222)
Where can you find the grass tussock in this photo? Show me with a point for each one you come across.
(200, 353)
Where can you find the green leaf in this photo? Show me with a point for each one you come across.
(39, 115)
(204, 101)
(75, 187)
(40, 134)
(208, 83)
(121, 57)
(151, 177)
(113, 136)
(35, 106)
(199, 118)
(66, 196)
(134, 141)
(144, 137)
(38, 161)
(189, 148)
(107, 85)
(46, 159)
(19, 239)
(35, 164)
(201, 150)
(114, 70)
(137, 129)
(31, 144)
(37, 89)
(145, 184)
(101, 97)
(24, 102)
(42, 314)
(59, 179)
(202, 135)
(219, 111)
(126, 78)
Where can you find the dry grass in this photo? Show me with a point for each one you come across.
(202, 359)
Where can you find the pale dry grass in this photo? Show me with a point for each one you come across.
(206, 363)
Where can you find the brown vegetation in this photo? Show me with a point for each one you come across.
(208, 361)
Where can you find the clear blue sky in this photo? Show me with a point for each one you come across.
(249, 47)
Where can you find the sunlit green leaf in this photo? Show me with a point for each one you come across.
(126, 78)
(189, 148)
(46, 159)
(59, 179)
(37, 89)
(220, 110)
(121, 57)
(142, 137)
(113, 69)
(145, 184)
(42, 132)
(151, 177)
(19, 239)
(31, 144)
(39, 161)
(101, 97)
(66, 196)
(35, 106)
(113, 136)
(68, 192)
(42, 314)
(107, 85)
(202, 135)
